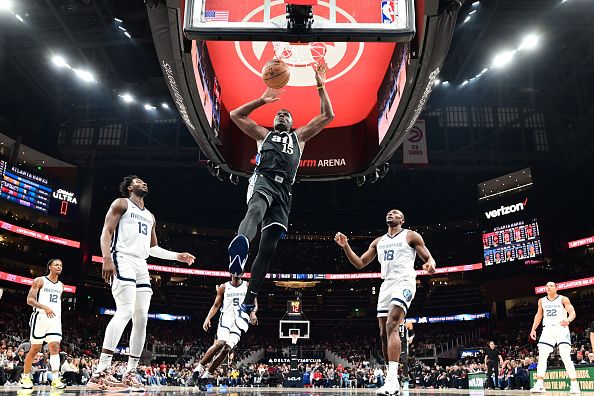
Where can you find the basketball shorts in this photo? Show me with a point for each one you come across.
(226, 324)
(44, 328)
(398, 292)
(130, 272)
(555, 335)
(278, 195)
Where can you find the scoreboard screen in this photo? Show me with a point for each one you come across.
(24, 188)
(511, 242)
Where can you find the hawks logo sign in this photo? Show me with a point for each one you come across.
(340, 57)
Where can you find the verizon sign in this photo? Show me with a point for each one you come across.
(504, 210)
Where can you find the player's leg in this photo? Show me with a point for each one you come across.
(26, 382)
(565, 352)
(212, 351)
(383, 305)
(54, 351)
(240, 245)
(219, 359)
(544, 350)
(383, 337)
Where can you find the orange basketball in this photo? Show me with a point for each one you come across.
(276, 73)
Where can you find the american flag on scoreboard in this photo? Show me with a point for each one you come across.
(216, 16)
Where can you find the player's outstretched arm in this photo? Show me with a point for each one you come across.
(240, 116)
(358, 262)
(570, 312)
(415, 240)
(537, 319)
(253, 317)
(112, 218)
(216, 305)
(158, 252)
(317, 124)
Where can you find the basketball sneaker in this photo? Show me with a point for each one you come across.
(25, 382)
(574, 388)
(131, 381)
(58, 384)
(391, 387)
(97, 382)
(538, 388)
(238, 249)
(114, 385)
(206, 375)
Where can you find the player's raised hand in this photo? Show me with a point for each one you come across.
(321, 68)
(533, 335)
(186, 258)
(271, 95)
(253, 319)
(206, 324)
(430, 268)
(341, 239)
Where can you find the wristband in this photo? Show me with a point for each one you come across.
(158, 252)
(320, 87)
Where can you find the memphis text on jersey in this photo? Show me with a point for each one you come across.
(139, 217)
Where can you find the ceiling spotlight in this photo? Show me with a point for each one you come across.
(84, 75)
(126, 97)
(360, 181)
(476, 3)
(503, 59)
(164, 105)
(437, 81)
(234, 179)
(446, 82)
(20, 18)
(529, 42)
(467, 19)
(122, 28)
(464, 82)
(471, 12)
(149, 107)
(5, 5)
(118, 20)
(127, 35)
(59, 61)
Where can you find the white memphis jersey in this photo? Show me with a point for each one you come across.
(50, 295)
(232, 297)
(396, 257)
(132, 235)
(553, 311)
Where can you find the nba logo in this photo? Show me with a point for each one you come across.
(389, 11)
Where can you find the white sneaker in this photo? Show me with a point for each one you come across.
(206, 375)
(574, 389)
(390, 388)
(538, 388)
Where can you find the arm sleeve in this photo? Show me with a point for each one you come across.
(158, 252)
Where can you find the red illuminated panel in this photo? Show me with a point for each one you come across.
(581, 242)
(355, 69)
(567, 285)
(39, 235)
(355, 275)
(5, 276)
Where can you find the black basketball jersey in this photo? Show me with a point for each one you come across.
(278, 156)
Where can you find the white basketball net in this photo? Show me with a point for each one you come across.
(294, 338)
(299, 55)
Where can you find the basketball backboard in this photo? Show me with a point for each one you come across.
(287, 328)
(273, 20)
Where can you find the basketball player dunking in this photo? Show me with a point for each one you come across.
(556, 313)
(127, 240)
(269, 191)
(229, 295)
(45, 296)
(396, 251)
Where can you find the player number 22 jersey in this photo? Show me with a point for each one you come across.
(396, 257)
(553, 311)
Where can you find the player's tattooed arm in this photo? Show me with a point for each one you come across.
(32, 298)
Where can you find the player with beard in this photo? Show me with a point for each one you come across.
(127, 240)
(269, 191)
(396, 251)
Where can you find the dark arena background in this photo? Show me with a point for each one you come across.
(474, 118)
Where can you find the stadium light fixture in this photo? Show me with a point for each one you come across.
(5, 5)
(503, 59)
(149, 107)
(529, 42)
(437, 82)
(122, 28)
(476, 4)
(445, 83)
(467, 19)
(164, 105)
(464, 82)
(127, 34)
(59, 61)
(84, 75)
(118, 20)
(20, 18)
(126, 97)
(472, 12)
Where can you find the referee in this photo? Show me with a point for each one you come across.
(492, 360)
